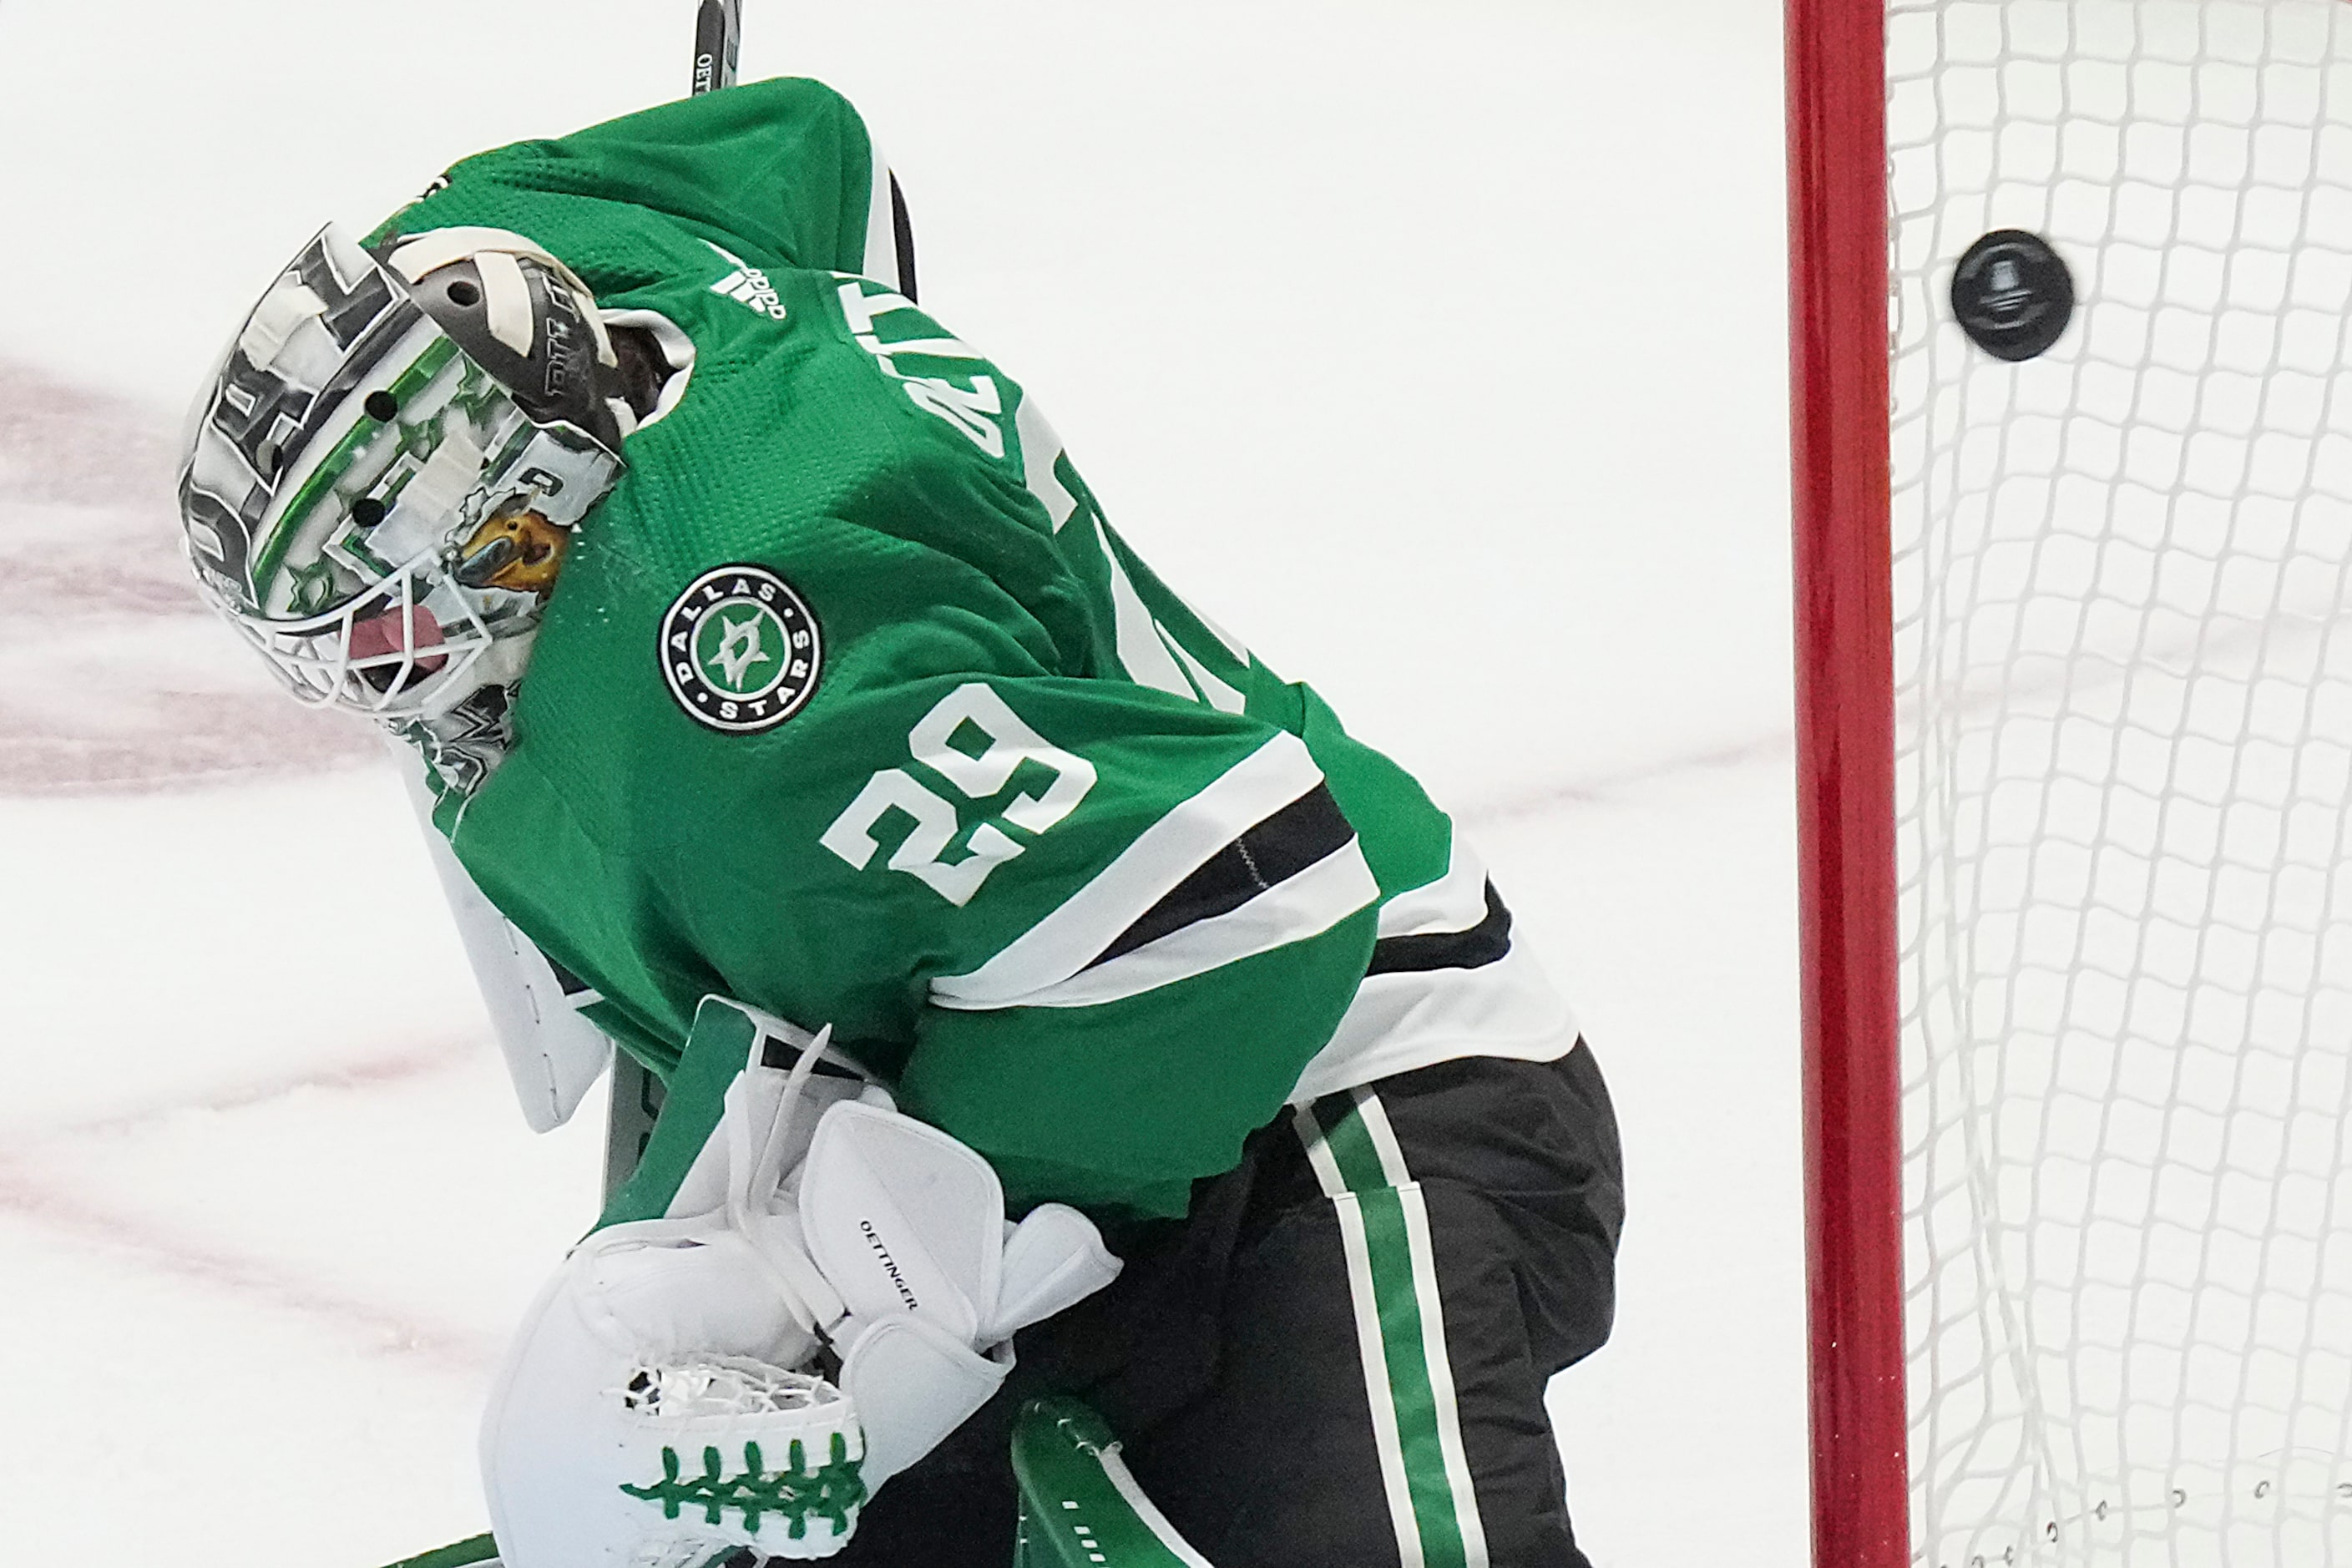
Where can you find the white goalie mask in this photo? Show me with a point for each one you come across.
(380, 507)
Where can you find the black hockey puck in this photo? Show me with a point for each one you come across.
(2012, 294)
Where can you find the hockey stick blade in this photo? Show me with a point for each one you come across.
(476, 1552)
(1080, 1507)
(717, 37)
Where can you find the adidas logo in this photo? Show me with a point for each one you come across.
(749, 285)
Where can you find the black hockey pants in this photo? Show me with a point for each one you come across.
(1338, 1359)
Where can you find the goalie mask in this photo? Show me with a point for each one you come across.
(381, 480)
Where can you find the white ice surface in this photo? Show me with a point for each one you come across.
(1435, 347)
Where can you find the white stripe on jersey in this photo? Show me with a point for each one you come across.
(1041, 448)
(1146, 870)
(1455, 901)
(1217, 694)
(1417, 1018)
(880, 261)
(1305, 905)
(1144, 657)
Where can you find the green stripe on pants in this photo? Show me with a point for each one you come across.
(1381, 1226)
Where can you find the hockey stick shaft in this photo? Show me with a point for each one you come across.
(717, 37)
(637, 1095)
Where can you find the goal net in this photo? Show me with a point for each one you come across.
(2122, 651)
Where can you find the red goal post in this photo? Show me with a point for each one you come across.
(2072, 348)
(1845, 790)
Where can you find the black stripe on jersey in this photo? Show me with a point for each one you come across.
(1295, 837)
(1482, 944)
(902, 240)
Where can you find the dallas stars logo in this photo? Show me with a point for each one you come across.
(739, 647)
(740, 650)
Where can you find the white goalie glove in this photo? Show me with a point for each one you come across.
(660, 1402)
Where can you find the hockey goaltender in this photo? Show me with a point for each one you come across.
(766, 662)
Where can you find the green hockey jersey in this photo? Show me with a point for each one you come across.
(850, 704)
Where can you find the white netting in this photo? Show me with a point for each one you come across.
(2123, 655)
